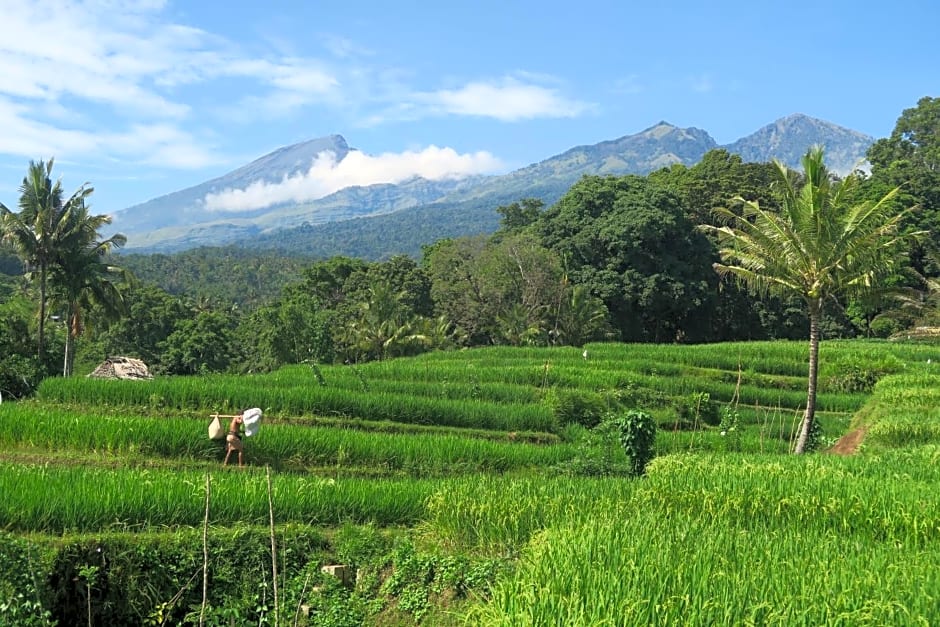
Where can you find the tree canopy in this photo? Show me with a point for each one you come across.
(818, 247)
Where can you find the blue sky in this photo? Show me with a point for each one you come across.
(145, 97)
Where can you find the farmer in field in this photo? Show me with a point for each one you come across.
(233, 440)
(249, 420)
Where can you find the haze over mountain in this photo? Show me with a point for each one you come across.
(263, 202)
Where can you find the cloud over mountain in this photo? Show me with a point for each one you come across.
(327, 175)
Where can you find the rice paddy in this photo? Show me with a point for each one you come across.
(724, 528)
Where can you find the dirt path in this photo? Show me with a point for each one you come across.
(848, 444)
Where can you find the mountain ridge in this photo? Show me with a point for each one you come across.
(180, 220)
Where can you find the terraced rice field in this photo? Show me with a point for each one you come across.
(476, 474)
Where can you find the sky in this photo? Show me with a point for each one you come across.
(141, 98)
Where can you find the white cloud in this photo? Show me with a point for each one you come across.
(508, 100)
(71, 68)
(123, 81)
(327, 175)
(157, 144)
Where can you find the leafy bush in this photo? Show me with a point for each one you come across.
(857, 375)
(698, 408)
(583, 408)
(638, 437)
(157, 567)
(19, 376)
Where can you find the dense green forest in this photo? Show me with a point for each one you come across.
(615, 258)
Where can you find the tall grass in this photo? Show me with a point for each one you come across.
(688, 569)
(59, 499)
(217, 394)
(905, 410)
(277, 445)
(720, 539)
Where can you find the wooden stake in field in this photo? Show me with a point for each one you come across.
(273, 545)
(205, 558)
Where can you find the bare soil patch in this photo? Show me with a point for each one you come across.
(848, 444)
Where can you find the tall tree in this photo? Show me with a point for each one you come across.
(910, 159)
(153, 315)
(628, 240)
(519, 214)
(819, 246)
(36, 231)
(81, 275)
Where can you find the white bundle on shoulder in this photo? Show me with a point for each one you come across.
(251, 418)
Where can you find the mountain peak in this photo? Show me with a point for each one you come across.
(788, 138)
(185, 218)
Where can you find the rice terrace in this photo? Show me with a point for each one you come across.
(701, 391)
(475, 487)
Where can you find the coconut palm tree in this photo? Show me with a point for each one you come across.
(35, 232)
(81, 277)
(819, 246)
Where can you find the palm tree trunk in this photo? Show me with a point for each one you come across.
(66, 363)
(815, 313)
(72, 331)
(42, 307)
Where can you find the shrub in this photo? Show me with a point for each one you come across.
(698, 408)
(583, 408)
(19, 376)
(638, 436)
(859, 376)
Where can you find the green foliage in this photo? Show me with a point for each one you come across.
(697, 409)
(54, 576)
(22, 565)
(576, 407)
(629, 241)
(152, 315)
(19, 376)
(599, 450)
(498, 290)
(520, 214)
(850, 374)
(730, 428)
(358, 545)
(290, 331)
(910, 159)
(418, 579)
(638, 438)
(228, 274)
(200, 345)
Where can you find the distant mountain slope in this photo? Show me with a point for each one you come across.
(426, 211)
(184, 207)
(788, 138)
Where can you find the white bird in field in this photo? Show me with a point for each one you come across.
(584, 354)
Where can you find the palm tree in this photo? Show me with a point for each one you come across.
(37, 229)
(819, 246)
(81, 277)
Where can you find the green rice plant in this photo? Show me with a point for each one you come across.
(277, 445)
(827, 493)
(725, 539)
(499, 514)
(904, 411)
(57, 499)
(195, 393)
(694, 570)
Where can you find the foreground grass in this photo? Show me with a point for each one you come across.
(709, 536)
(706, 539)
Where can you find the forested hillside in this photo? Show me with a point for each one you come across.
(614, 258)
